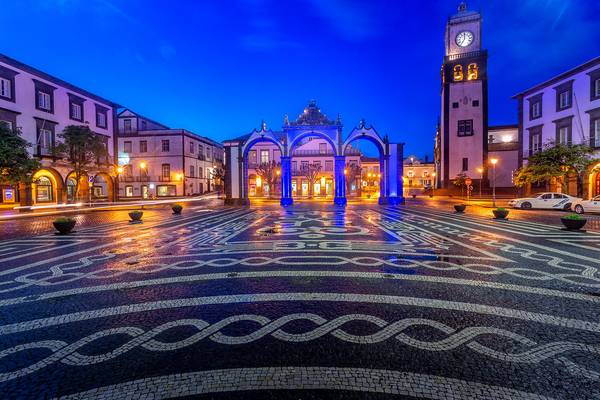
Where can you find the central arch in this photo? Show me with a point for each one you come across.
(322, 184)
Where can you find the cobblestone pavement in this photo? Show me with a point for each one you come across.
(308, 302)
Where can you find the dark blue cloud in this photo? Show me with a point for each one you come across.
(219, 68)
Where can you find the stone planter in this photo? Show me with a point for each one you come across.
(136, 217)
(500, 213)
(572, 224)
(64, 227)
(177, 208)
(460, 208)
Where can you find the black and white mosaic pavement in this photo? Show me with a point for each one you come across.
(307, 302)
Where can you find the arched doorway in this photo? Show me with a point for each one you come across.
(71, 189)
(312, 158)
(78, 194)
(102, 187)
(47, 187)
(594, 181)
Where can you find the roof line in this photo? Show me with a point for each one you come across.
(560, 77)
(34, 71)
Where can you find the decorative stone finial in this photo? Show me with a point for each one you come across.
(338, 120)
(263, 126)
(312, 103)
(361, 123)
(286, 120)
(462, 6)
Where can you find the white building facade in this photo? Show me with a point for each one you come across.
(41, 106)
(156, 161)
(566, 110)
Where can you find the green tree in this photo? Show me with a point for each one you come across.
(557, 161)
(461, 181)
(219, 177)
(352, 172)
(16, 164)
(268, 172)
(83, 149)
(311, 173)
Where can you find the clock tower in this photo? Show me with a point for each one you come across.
(464, 114)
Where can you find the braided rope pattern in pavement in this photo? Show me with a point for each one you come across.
(69, 353)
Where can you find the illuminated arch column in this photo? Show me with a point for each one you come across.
(383, 194)
(394, 171)
(286, 181)
(340, 181)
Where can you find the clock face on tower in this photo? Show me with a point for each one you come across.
(464, 38)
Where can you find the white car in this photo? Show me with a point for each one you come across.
(549, 200)
(583, 206)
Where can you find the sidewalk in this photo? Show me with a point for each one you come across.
(65, 209)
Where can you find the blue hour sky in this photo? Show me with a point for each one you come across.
(219, 67)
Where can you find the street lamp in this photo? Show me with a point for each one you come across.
(494, 161)
(433, 174)
(480, 170)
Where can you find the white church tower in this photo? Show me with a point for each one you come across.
(464, 116)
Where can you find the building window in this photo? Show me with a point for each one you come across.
(536, 110)
(564, 95)
(264, 156)
(564, 99)
(596, 89)
(192, 169)
(294, 165)
(44, 101)
(43, 192)
(165, 145)
(45, 142)
(472, 72)
(192, 147)
(127, 125)
(166, 171)
(596, 125)
(143, 146)
(5, 88)
(200, 173)
(564, 131)
(465, 127)
(127, 147)
(7, 124)
(208, 153)
(458, 73)
(328, 165)
(76, 112)
(455, 104)
(322, 148)
(166, 190)
(252, 157)
(465, 164)
(101, 117)
(144, 125)
(563, 135)
(128, 191)
(475, 103)
(536, 142)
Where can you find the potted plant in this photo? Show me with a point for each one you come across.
(500, 213)
(414, 196)
(64, 225)
(136, 217)
(176, 208)
(460, 208)
(573, 222)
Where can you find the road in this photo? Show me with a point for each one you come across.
(313, 301)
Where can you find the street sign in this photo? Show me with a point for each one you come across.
(90, 178)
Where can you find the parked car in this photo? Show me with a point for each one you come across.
(548, 200)
(583, 206)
